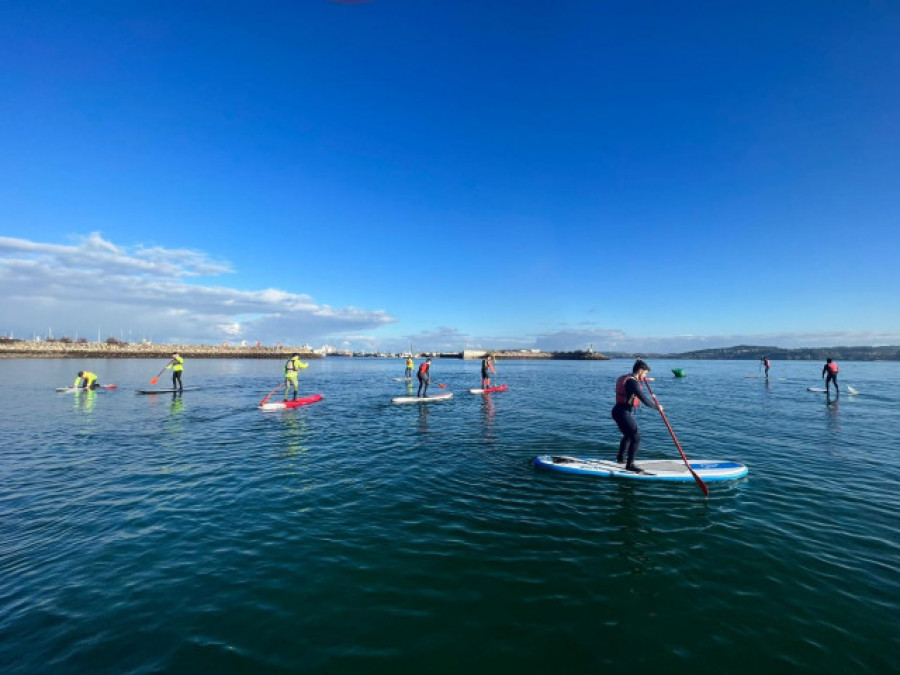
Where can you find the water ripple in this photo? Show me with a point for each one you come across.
(178, 533)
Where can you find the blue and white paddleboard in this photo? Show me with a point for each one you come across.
(710, 470)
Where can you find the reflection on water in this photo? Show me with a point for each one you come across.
(293, 433)
(85, 399)
(833, 414)
(487, 416)
(173, 424)
(424, 411)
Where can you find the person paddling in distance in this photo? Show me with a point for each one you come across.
(409, 367)
(177, 366)
(424, 376)
(629, 395)
(829, 372)
(765, 362)
(487, 367)
(291, 371)
(86, 380)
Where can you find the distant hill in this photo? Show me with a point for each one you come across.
(749, 352)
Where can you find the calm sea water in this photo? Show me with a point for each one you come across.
(157, 533)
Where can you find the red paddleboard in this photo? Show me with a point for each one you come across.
(489, 390)
(284, 405)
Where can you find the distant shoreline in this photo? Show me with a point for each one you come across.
(101, 350)
(755, 353)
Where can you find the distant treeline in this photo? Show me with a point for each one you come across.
(748, 352)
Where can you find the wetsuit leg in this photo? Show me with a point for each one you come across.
(176, 380)
(631, 437)
(421, 384)
(290, 383)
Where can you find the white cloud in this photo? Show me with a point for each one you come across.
(78, 288)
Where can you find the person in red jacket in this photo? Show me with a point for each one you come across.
(424, 378)
(829, 372)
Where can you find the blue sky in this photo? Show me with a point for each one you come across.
(637, 175)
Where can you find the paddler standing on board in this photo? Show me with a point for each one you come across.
(487, 367)
(177, 366)
(86, 380)
(629, 395)
(409, 367)
(766, 363)
(424, 378)
(829, 372)
(291, 370)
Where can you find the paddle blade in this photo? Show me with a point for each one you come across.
(269, 395)
(154, 380)
(665, 419)
(442, 386)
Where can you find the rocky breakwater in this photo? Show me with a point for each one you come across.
(102, 350)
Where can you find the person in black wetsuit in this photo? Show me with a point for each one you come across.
(487, 367)
(829, 372)
(424, 376)
(630, 394)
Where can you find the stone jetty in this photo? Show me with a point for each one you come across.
(103, 350)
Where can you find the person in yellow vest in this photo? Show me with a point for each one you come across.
(177, 366)
(409, 367)
(86, 380)
(292, 368)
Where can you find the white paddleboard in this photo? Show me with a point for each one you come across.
(402, 379)
(71, 389)
(423, 399)
(818, 389)
(710, 470)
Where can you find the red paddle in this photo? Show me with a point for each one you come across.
(265, 400)
(156, 379)
(678, 445)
